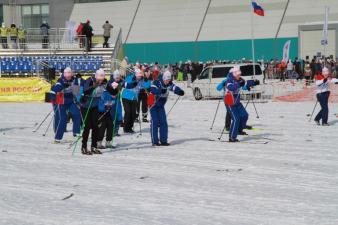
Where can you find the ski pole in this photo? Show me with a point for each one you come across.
(139, 121)
(257, 116)
(178, 98)
(115, 116)
(221, 135)
(313, 111)
(213, 121)
(255, 109)
(84, 121)
(38, 127)
(44, 134)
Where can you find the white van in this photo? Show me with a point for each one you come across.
(210, 77)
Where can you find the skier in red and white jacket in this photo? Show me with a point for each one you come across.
(323, 81)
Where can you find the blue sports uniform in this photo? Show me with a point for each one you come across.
(70, 89)
(237, 111)
(157, 111)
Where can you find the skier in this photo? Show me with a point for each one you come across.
(221, 87)
(160, 89)
(237, 111)
(323, 93)
(143, 98)
(93, 90)
(130, 93)
(64, 92)
(116, 77)
(107, 109)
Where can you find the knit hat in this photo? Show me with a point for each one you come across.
(100, 73)
(166, 75)
(116, 74)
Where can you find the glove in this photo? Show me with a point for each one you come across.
(164, 90)
(135, 84)
(325, 80)
(256, 82)
(180, 93)
(242, 82)
(114, 85)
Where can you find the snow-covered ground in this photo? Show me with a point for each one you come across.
(291, 180)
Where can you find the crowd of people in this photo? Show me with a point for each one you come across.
(86, 30)
(14, 34)
(97, 104)
(102, 106)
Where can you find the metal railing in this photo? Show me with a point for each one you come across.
(50, 42)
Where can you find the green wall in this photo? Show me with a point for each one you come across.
(171, 52)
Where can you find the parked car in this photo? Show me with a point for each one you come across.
(205, 84)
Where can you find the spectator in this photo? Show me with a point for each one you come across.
(298, 68)
(14, 34)
(88, 32)
(44, 28)
(22, 37)
(106, 33)
(289, 69)
(4, 33)
(282, 67)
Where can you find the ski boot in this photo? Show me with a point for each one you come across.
(317, 122)
(325, 124)
(165, 144)
(85, 151)
(100, 145)
(242, 133)
(56, 141)
(156, 144)
(233, 140)
(95, 150)
(109, 144)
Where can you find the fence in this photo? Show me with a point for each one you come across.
(51, 42)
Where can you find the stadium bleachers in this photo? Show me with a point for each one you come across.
(30, 64)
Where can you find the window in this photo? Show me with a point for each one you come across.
(248, 70)
(34, 15)
(204, 74)
(220, 72)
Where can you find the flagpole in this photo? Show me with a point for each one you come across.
(252, 40)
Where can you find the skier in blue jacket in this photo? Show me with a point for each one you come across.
(239, 115)
(133, 83)
(116, 77)
(107, 110)
(160, 88)
(68, 88)
(143, 98)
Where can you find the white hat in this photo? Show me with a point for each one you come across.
(235, 69)
(100, 73)
(67, 69)
(325, 70)
(116, 74)
(166, 75)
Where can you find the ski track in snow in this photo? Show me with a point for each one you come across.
(291, 180)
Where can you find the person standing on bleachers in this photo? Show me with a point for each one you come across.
(88, 32)
(44, 28)
(65, 92)
(106, 33)
(4, 33)
(22, 37)
(14, 35)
